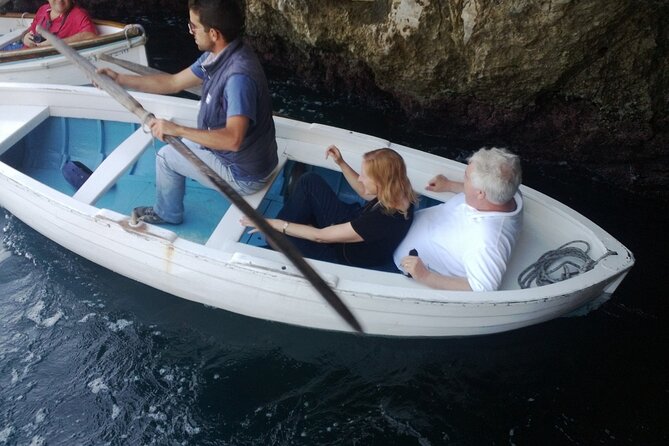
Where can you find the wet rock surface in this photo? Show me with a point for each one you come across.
(582, 81)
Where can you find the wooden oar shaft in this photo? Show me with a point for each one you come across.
(277, 239)
(130, 66)
(140, 69)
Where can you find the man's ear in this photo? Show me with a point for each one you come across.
(216, 35)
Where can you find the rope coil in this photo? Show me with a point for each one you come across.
(566, 261)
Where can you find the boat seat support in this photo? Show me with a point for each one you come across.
(229, 229)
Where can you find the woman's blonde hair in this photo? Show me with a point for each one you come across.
(387, 169)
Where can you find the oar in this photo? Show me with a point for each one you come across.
(141, 69)
(274, 237)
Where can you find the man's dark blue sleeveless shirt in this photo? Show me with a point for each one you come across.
(257, 155)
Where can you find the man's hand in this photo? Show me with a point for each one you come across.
(113, 75)
(442, 184)
(29, 40)
(414, 266)
(161, 127)
(438, 184)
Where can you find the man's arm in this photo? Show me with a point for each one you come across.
(85, 35)
(442, 184)
(240, 94)
(414, 265)
(227, 138)
(155, 83)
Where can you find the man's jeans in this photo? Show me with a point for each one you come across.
(172, 170)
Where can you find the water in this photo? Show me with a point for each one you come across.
(89, 357)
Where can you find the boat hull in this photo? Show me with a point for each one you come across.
(260, 283)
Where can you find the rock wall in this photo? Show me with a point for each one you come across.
(581, 80)
(578, 80)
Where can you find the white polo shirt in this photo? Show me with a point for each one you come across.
(454, 239)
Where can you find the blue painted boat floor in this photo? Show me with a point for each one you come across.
(204, 207)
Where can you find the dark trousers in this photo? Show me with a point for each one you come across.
(314, 203)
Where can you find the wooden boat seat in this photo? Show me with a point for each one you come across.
(11, 36)
(229, 229)
(113, 167)
(16, 121)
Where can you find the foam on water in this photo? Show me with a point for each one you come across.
(37, 440)
(85, 319)
(98, 385)
(35, 314)
(4, 254)
(5, 434)
(119, 325)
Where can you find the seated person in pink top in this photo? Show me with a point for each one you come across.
(64, 19)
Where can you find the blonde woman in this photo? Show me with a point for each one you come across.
(325, 228)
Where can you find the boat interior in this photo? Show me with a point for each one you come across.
(122, 156)
(125, 156)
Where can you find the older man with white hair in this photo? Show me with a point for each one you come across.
(466, 242)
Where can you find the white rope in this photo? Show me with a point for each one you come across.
(559, 264)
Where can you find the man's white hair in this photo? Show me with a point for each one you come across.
(496, 172)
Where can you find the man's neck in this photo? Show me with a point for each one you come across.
(219, 47)
(486, 206)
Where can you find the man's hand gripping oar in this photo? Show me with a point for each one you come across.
(274, 237)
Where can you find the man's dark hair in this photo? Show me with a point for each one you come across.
(225, 16)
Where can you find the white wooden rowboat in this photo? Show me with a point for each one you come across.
(46, 65)
(209, 259)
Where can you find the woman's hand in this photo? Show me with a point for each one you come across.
(333, 151)
(273, 222)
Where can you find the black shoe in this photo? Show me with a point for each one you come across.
(148, 215)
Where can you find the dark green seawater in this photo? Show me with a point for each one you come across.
(88, 357)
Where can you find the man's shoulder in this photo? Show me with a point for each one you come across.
(42, 10)
(78, 11)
